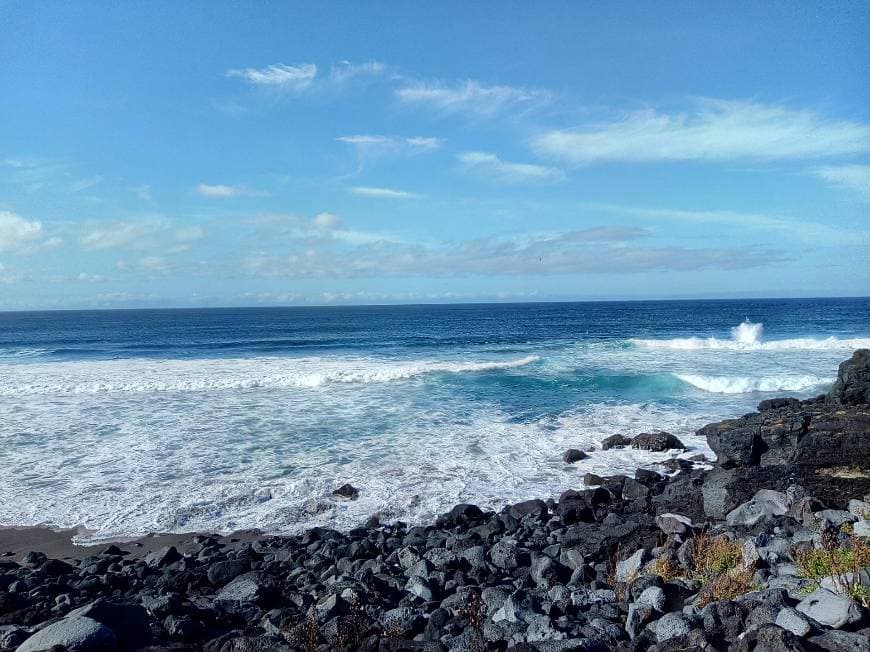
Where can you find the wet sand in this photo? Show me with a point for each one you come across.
(15, 542)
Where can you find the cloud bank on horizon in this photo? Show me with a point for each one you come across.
(355, 159)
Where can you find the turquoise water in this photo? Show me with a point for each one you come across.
(126, 422)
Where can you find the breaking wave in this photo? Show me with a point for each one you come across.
(748, 337)
(744, 385)
(140, 376)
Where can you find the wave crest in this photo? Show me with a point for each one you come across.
(744, 385)
(747, 337)
(141, 376)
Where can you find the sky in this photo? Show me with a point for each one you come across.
(240, 153)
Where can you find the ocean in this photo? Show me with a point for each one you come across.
(128, 422)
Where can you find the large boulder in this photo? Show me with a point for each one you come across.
(77, 634)
(128, 621)
(830, 609)
(656, 441)
(853, 380)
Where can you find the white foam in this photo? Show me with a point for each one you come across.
(747, 337)
(132, 476)
(137, 376)
(743, 385)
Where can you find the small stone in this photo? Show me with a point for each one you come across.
(794, 621)
(573, 455)
(222, 572)
(504, 554)
(530, 508)
(654, 597)
(420, 587)
(592, 480)
(835, 517)
(674, 523)
(628, 568)
(615, 441)
(671, 625)
(163, 557)
(638, 616)
(347, 491)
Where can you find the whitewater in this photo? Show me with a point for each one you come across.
(125, 423)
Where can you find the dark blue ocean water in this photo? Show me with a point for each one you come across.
(156, 420)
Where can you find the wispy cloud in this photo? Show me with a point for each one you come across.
(813, 232)
(279, 75)
(220, 191)
(369, 144)
(713, 130)
(144, 235)
(383, 193)
(345, 71)
(494, 167)
(306, 77)
(853, 178)
(599, 250)
(471, 97)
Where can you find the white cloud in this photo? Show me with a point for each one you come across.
(153, 264)
(491, 165)
(714, 130)
(86, 277)
(219, 191)
(326, 221)
(189, 233)
(383, 193)
(294, 78)
(16, 233)
(368, 144)
(854, 178)
(110, 235)
(472, 97)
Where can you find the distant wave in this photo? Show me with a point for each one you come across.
(743, 385)
(203, 375)
(748, 337)
(21, 353)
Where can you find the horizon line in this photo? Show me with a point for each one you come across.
(437, 303)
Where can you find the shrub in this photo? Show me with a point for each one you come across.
(843, 563)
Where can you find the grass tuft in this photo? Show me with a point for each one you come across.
(842, 562)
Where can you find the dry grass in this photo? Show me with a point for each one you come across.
(715, 556)
(843, 563)
(728, 586)
(665, 568)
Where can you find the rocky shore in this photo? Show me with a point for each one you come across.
(769, 550)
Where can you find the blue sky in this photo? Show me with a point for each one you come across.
(188, 154)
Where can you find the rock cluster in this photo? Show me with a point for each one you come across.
(767, 551)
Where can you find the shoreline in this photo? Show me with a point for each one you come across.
(57, 543)
(769, 549)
